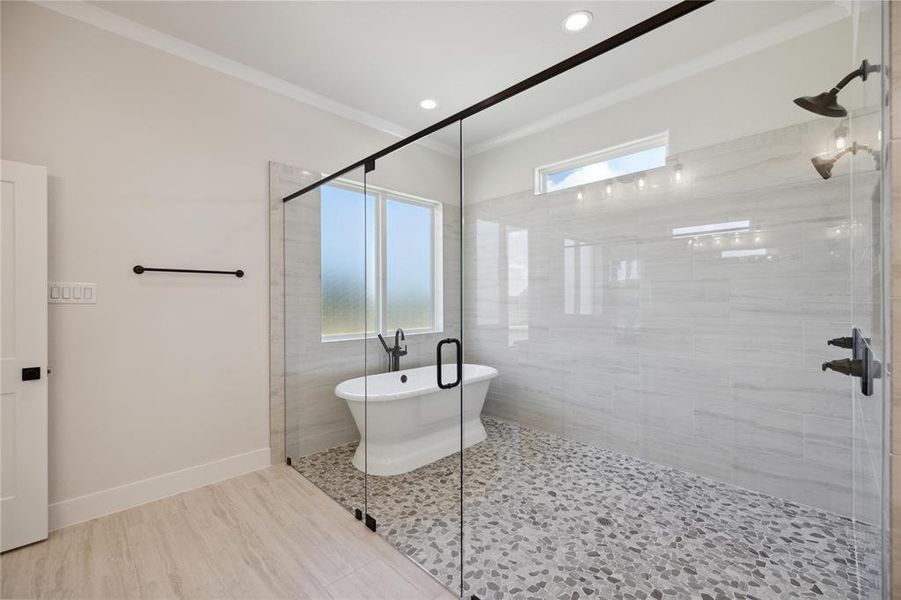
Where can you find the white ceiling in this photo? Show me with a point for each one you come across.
(382, 58)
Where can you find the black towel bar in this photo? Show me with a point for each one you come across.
(139, 269)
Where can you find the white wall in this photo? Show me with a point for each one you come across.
(158, 161)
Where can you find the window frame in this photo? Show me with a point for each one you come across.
(382, 195)
(598, 156)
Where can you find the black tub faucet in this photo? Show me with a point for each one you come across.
(396, 352)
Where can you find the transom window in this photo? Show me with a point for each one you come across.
(383, 261)
(633, 157)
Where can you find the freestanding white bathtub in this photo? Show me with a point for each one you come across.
(406, 425)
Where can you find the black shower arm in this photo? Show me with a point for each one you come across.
(862, 71)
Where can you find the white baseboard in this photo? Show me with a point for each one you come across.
(90, 506)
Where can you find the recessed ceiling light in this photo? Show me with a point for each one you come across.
(428, 104)
(577, 21)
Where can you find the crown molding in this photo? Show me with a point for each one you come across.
(113, 23)
(744, 47)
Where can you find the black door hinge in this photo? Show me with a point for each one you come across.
(370, 522)
(358, 514)
(288, 460)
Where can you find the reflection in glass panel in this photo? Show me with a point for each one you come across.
(487, 253)
(518, 284)
(578, 268)
(569, 270)
(586, 285)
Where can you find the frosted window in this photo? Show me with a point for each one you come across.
(409, 277)
(348, 243)
(381, 263)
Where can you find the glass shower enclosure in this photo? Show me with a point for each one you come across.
(621, 330)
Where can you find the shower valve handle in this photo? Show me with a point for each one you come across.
(848, 366)
(862, 363)
(844, 342)
(841, 342)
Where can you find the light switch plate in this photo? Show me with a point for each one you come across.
(71, 292)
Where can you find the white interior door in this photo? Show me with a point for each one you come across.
(23, 342)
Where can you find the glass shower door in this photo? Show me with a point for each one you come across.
(413, 419)
(869, 225)
(327, 274)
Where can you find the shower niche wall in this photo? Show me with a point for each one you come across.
(650, 278)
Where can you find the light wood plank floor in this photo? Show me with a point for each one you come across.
(269, 534)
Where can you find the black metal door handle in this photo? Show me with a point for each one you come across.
(459, 346)
(31, 373)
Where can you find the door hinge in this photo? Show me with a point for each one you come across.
(370, 522)
(288, 460)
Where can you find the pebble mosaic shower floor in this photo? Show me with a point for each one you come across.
(547, 517)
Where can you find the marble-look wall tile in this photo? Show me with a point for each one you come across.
(769, 430)
(698, 455)
(800, 389)
(283, 179)
(602, 429)
(681, 350)
(801, 480)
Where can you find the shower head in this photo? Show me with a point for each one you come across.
(824, 165)
(826, 104)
